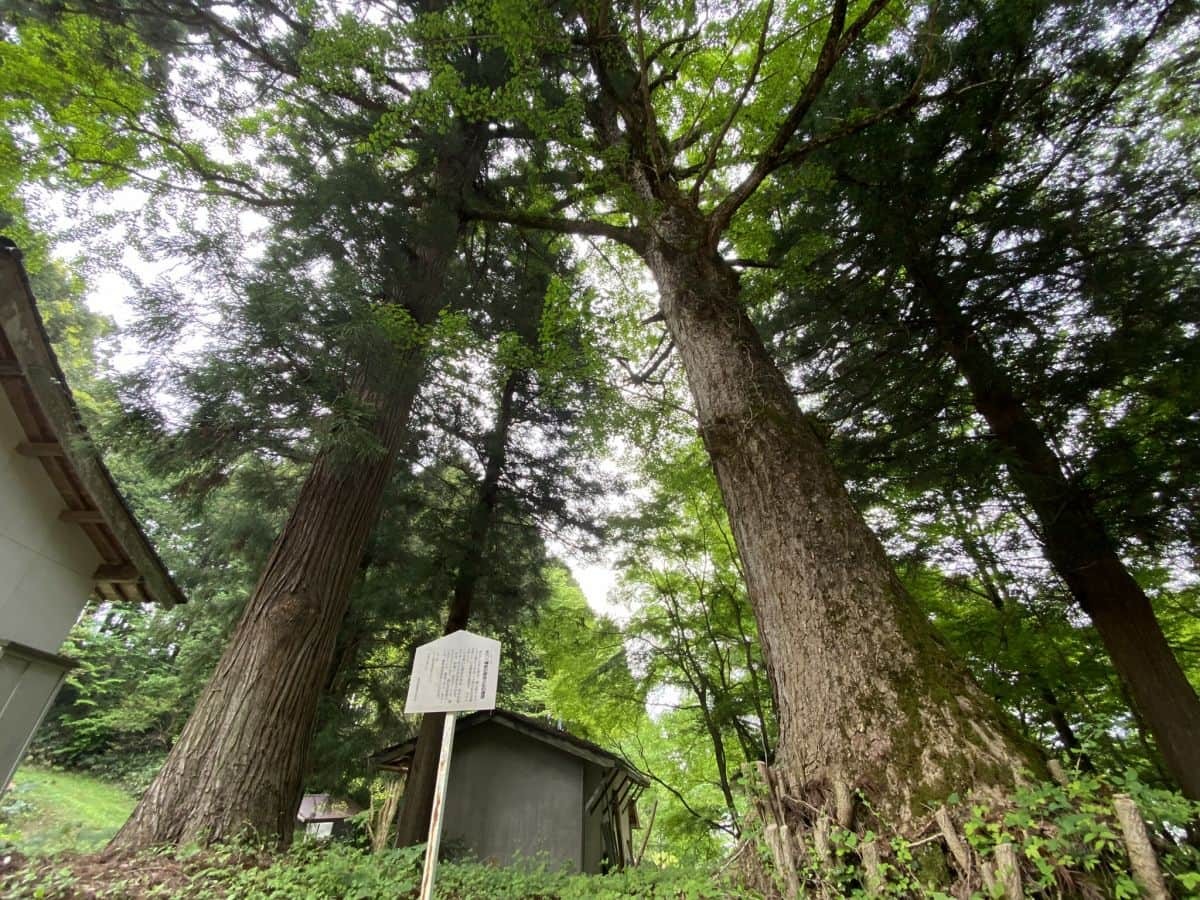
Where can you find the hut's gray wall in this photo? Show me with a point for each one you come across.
(510, 796)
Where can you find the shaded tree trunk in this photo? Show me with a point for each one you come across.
(1079, 547)
(412, 827)
(239, 764)
(866, 693)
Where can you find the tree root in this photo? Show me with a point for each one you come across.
(822, 840)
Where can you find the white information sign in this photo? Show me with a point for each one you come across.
(457, 673)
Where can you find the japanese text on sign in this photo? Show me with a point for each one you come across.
(457, 673)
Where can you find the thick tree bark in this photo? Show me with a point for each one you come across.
(238, 767)
(866, 693)
(239, 764)
(412, 827)
(1079, 547)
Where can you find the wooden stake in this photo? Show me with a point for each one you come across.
(988, 876)
(1057, 772)
(382, 829)
(1142, 860)
(788, 845)
(777, 842)
(821, 840)
(776, 804)
(869, 853)
(957, 848)
(843, 803)
(1008, 872)
(439, 808)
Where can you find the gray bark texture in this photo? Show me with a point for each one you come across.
(866, 693)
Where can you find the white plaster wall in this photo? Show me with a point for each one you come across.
(45, 565)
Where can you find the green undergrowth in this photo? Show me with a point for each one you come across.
(49, 811)
(335, 870)
(1065, 838)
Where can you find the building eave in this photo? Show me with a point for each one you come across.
(396, 757)
(34, 384)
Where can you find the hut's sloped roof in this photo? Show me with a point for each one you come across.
(324, 808)
(398, 756)
(33, 381)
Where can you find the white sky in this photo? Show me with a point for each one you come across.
(597, 581)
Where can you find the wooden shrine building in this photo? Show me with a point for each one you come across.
(522, 789)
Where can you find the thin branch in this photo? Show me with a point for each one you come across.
(739, 262)
(837, 39)
(631, 237)
(848, 129)
(710, 158)
(207, 191)
(669, 43)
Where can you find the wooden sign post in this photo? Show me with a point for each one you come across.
(457, 673)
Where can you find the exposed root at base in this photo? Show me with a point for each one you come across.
(823, 840)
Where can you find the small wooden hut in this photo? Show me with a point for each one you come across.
(522, 789)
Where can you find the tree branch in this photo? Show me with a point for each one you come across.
(630, 237)
(837, 40)
(710, 158)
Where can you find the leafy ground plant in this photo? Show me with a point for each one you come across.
(335, 870)
(1048, 839)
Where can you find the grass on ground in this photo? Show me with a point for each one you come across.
(48, 811)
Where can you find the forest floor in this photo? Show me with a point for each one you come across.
(49, 812)
(333, 871)
(54, 824)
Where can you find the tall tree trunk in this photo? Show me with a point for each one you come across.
(866, 693)
(413, 824)
(1079, 547)
(239, 764)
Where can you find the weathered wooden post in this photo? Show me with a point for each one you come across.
(457, 673)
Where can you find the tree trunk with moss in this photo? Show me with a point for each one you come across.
(867, 694)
